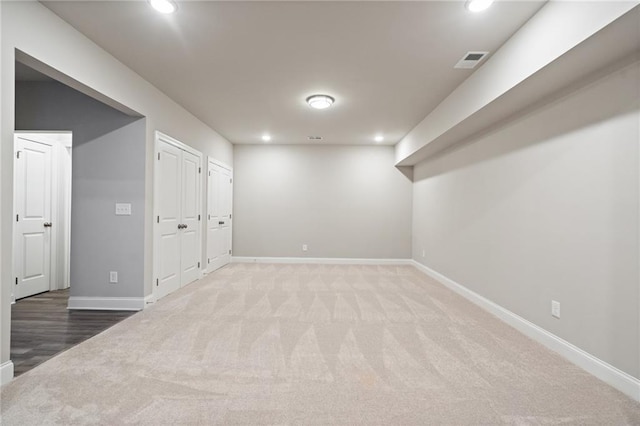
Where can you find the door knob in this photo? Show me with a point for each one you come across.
(180, 226)
(48, 224)
(221, 222)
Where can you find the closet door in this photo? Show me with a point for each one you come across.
(218, 216)
(168, 245)
(214, 217)
(190, 233)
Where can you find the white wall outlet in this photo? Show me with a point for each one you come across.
(113, 277)
(123, 209)
(555, 308)
(424, 253)
(304, 247)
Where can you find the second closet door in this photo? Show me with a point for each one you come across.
(190, 233)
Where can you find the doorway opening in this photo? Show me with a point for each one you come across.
(75, 158)
(42, 208)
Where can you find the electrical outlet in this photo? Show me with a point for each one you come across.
(424, 253)
(113, 277)
(304, 247)
(555, 309)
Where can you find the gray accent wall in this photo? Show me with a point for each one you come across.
(108, 167)
(546, 208)
(342, 201)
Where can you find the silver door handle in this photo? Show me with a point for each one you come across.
(221, 222)
(48, 224)
(180, 226)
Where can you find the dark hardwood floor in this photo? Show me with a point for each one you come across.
(41, 327)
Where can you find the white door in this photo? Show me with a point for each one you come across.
(168, 192)
(190, 238)
(218, 216)
(32, 236)
(178, 235)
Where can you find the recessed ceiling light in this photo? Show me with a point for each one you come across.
(379, 138)
(320, 101)
(478, 5)
(266, 138)
(163, 6)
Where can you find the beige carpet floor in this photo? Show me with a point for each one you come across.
(312, 344)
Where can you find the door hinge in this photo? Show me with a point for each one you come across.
(208, 261)
(198, 264)
(229, 251)
(198, 217)
(209, 217)
(199, 169)
(158, 219)
(209, 173)
(158, 156)
(17, 218)
(18, 154)
(230, 180)
(16, 280)
(157, 282)
(229, 215)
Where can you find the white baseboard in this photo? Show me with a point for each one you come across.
(609, 374)
(321, 260)
(6, 372)
(150, 300)
(107, 303)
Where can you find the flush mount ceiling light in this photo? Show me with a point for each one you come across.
(379, 138)
(266, 138)
(478, 5)
(163, 6)
(320, 101)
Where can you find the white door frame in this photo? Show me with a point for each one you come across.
(52, 139)
(159, 138)
(211, 160)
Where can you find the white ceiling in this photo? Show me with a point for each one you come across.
(245, 68)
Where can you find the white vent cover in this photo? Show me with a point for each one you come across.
(471, 59)
(315, 138)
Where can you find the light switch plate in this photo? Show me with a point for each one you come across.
(555, 309)
(123, 209)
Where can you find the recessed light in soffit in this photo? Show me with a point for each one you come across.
(164, 6)
(478, 5)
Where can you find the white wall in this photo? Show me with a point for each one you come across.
(34, 30)
(545, 208)
(343, 201)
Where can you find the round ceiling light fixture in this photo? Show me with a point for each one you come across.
(379, 138)
(266, 137)
(164, 6)
(478, 5)
(320, 101)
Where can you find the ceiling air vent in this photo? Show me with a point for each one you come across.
(470, 60)
(315, 138)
